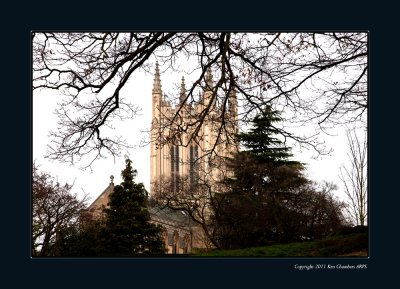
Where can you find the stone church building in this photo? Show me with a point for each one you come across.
(176, 150)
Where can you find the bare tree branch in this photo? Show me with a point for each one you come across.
(319, 79)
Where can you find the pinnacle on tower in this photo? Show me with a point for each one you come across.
(157, 81)
(183, 91)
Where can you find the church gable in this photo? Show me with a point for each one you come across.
(102, 200)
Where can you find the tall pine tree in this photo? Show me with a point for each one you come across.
(264, 177)
(264, 165)
(127, 229)
(260, 141)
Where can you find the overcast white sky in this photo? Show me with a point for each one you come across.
(139, 91)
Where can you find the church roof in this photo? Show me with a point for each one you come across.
(159, 214)
(168, 215)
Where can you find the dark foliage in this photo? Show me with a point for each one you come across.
(346, 230)
(127, 229)
(268, 197)
(80, 240)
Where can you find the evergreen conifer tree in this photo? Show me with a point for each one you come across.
(127, 229)
(264, 165)
(260, 141)
(264, 178)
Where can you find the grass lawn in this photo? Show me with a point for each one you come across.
(343, 245)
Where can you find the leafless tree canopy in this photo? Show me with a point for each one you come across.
(354, 177)
(316, 78)
(53, 209)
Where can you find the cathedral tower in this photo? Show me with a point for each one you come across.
(170, 158)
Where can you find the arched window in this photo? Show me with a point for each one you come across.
(165, 238)
(177, 159)
(175, 243)
(174, 159)
(194, 164)
(185, 243)
(170, 239)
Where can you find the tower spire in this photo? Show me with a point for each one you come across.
(157, 81)
(183, 91)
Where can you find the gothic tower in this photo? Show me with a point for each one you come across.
(171, 158)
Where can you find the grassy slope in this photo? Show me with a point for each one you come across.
(345, 245)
